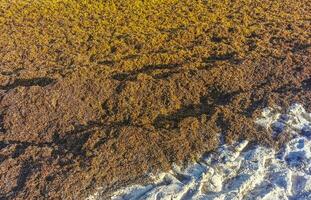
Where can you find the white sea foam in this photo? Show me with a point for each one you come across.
(242, 171)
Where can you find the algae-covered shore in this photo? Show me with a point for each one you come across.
(102, 93)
